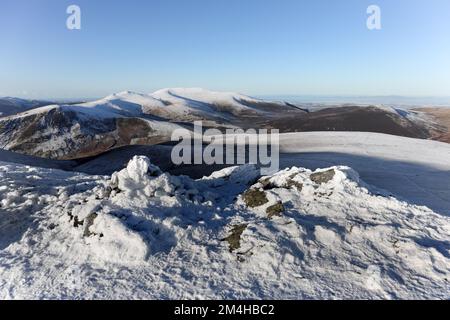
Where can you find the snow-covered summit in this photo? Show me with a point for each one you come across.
(204, 96)
(182, 104)
(174, 102)
(143, 233)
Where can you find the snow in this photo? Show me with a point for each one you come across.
(416, 170)
(116, 105)
(171, 103)
(13, 157)
(10, 105)
(375, 224)
(200, 96)
(143, 233)
(178, 104)
(34, 111)
(433, 153)
(80, 130)
(413, 169)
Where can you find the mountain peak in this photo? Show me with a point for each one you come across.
(124, 93)
(199, 92)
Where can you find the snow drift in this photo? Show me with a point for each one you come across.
(143, 233)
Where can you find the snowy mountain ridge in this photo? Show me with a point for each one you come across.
(177, 100)
(71, 131)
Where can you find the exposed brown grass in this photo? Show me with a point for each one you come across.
(442, 117)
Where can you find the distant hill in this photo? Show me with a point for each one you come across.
(10, 106)
(68, 131)
(77, 130)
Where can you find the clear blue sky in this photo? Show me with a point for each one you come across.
(259, 47)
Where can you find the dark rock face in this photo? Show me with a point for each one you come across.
(322, 177)
(55, 134)
(291, 183)
(275, 210)
(234, 239)
(255, 198)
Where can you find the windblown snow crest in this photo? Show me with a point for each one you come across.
(234, 234)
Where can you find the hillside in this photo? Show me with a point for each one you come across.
(73, 131)
(10, 106)
(88, 129)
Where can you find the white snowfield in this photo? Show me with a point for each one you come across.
(412, 169)
(415, 170)
(143, 233)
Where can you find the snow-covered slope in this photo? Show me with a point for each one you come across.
(188, 104)
(81, 130)
(17, 158)
(210, 102)
(145, 234)
(10, 106)
(432, 154)
(205, 96)
(414, 169)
